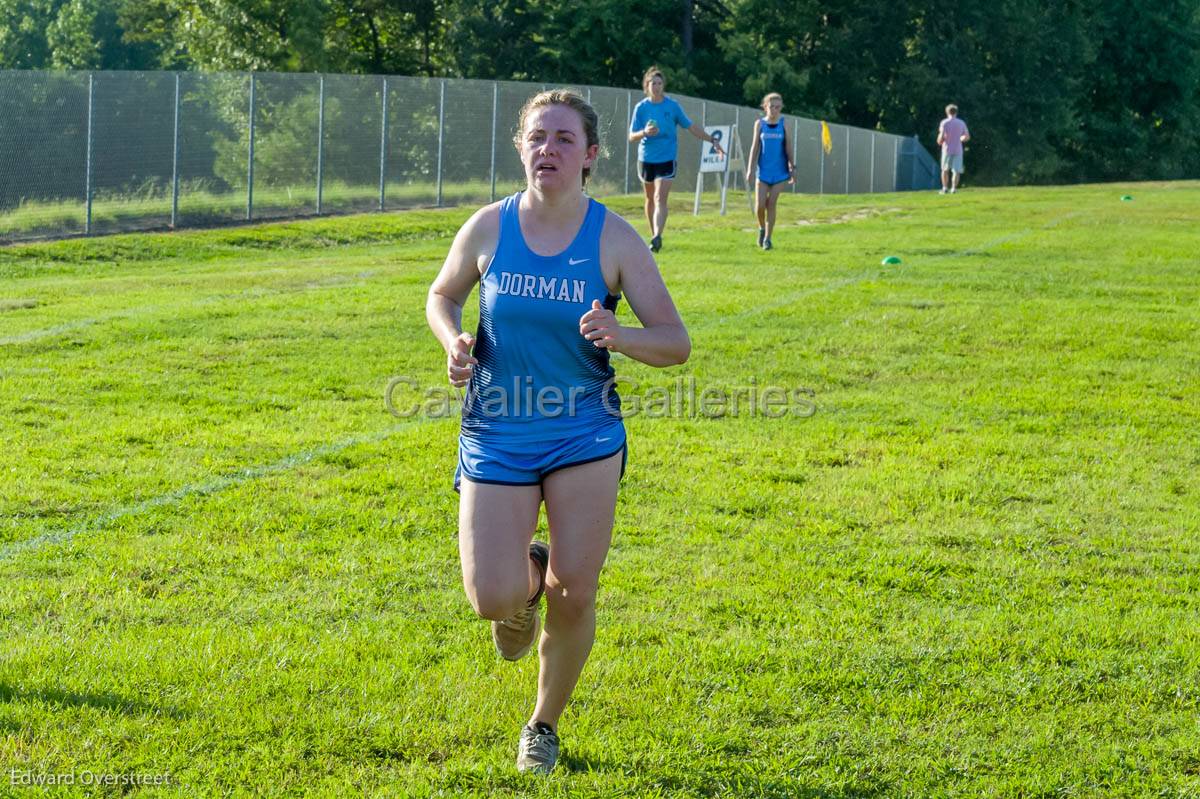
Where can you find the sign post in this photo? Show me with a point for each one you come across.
(720, 164)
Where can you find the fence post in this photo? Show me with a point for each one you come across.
(699, 172)
(441, 137)
(847, 159)
(87, 170)
(795, 142)
(495, 108)
(872, 162)
(175, 161)
(915, 144)
(628, 122)
(250, 158)
(383, 147)
(896, 164)
(737, 132)
(821, 154)
(320, 141)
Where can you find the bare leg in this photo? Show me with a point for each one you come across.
(957, 176)
(495, 526)
(580, 504)
(760, 204)
(945, 179)
(648, 188)
(662, 190)
(772, 207)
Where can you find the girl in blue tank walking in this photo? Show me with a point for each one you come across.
(771, 154)
(541, 420)
(652, 128)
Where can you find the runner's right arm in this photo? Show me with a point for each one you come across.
(469, 255)
(752, 161)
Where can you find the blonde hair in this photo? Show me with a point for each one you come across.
(772, 96)
(572, 100)
(952, 110)
(650, 73)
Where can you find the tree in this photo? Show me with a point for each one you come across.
(70, 34)
(23, 25)
(1075, 90)
(1012, 65)
(471, 43)
(1138, 105)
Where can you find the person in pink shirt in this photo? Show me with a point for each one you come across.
(951, 135)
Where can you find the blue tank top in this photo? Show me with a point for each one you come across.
(772, 157)
(537, 378)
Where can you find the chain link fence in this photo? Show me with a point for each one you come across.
(100, 152)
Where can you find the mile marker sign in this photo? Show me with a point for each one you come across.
(710, 160)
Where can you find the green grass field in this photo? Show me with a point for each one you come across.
(199, 206)
(973, 571)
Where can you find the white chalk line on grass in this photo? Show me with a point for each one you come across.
(338, 281)
(1020, 234)
(788, 299)
(221, 483)
(212, 486)
(67, 327)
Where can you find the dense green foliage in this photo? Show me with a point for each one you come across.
(1053, 91)
(973, 572)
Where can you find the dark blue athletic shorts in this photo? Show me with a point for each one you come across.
(497, 461)
(651, 171)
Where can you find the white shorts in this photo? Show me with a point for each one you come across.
(952, 163)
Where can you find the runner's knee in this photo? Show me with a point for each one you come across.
(495, 601)
(572, 597)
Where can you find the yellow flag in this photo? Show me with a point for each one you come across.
(826, 138)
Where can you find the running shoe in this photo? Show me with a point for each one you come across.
(515, 636)
(766, 245)
(656, 244)
(537, 751)
(762, 235)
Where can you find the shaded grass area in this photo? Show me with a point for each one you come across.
(973, 570)
(200, 207)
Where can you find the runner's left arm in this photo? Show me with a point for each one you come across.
(662, 340)
(698, 131)
(791, 159)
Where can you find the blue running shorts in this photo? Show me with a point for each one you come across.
(773, 180)
(497, 461)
